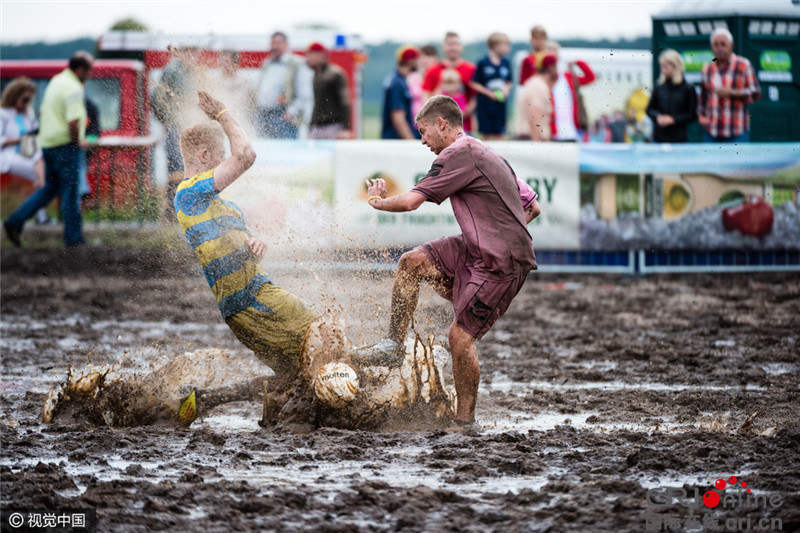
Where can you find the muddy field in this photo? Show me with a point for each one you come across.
(598, 394)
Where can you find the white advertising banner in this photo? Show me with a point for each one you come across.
(551, 169)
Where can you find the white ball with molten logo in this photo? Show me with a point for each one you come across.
(336, 385)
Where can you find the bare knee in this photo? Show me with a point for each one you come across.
(413, 262)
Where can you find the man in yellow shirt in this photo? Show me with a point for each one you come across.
(62, 135)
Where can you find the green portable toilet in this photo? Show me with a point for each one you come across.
(767, 33)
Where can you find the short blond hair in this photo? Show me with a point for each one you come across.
(441, 106)
(496, 38)
(199, 136)
(673, 58)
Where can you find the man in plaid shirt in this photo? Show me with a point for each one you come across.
(728, 85)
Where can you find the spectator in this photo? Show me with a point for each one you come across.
(236, 89)
(284, 96)
(450, 85)
(62, 134)
(639, 127)
(673, 105)
(538, 43)
(398, 122)
(492, 82)
(600, 132)
(568, 117)
(535, 103)
(453, 49)
(428, 57)
(174, 103)
(331, 116)
(16, 120)
(92, 136)
(727, 86)
(618, 126)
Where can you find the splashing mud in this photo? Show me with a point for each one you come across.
(105, 396)
(413, 394)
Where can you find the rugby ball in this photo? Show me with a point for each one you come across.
(336, 385)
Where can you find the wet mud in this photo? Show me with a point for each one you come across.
(598, 393)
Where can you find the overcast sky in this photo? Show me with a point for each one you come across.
(412, 21)
(376, 21)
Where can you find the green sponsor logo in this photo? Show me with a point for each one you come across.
(775, 61)
(693, 60)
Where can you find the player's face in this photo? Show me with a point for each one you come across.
(431, 136)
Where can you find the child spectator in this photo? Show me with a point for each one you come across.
(492, 83)
(450, 85)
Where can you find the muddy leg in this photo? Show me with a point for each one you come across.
(276, 393)
(466, 372)
(412, 267)
(210, 398)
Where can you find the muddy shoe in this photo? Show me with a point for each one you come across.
(298, 414)
(462, 425)
(188, 410)
(385, 352)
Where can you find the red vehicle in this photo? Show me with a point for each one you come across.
(117, 169)
(121, 169)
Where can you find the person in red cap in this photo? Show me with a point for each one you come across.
(330, 118)
(535, 102)
(398, 123)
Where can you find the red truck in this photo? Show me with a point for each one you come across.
(119, 166)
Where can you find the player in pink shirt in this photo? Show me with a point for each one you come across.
(481, 270)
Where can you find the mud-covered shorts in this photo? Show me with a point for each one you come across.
(477, 302)
(276, 335)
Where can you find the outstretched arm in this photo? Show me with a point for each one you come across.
(242, 154)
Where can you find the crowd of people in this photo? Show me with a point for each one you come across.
(549, 105)
(308, 96)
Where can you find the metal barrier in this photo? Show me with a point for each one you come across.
(717, 261)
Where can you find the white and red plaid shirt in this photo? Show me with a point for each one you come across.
(728, 117)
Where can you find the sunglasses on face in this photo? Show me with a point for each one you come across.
(26, 100)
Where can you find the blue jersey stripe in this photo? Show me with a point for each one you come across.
(213, 229)
(222, 266)
(241, 300)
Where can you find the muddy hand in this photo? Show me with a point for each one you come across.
(257, 247)
(376, 187)
(210, 105)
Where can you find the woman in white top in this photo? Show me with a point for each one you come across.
(16, 119)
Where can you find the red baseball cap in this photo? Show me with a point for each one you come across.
(317, 47)
(548, 61)
(407, 53)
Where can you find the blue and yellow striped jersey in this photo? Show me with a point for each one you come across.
(216, 230)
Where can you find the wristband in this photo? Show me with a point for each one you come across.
(220, 113)
(374, 198)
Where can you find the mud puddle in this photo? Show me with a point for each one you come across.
(590, 397)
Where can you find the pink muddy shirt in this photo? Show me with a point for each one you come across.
(487, 200)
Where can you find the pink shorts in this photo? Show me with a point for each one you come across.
(477, 302)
